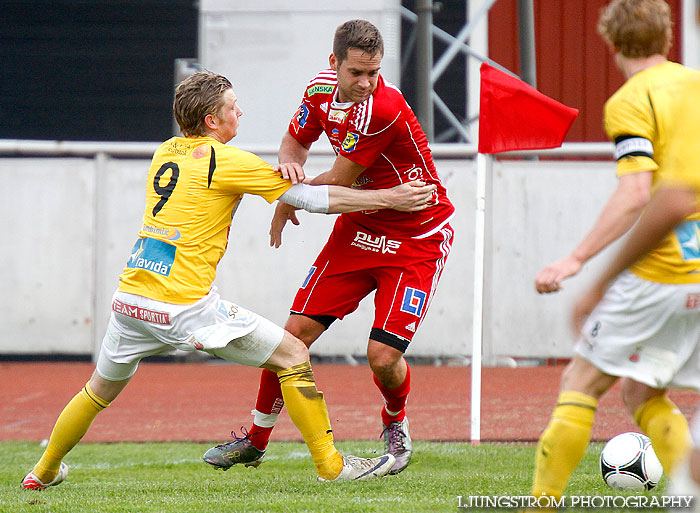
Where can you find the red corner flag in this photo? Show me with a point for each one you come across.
(515, 116)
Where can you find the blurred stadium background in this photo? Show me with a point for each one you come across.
(86, 95)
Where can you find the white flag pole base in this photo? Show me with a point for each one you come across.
(483, 166)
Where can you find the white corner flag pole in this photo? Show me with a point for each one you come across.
(483, 163)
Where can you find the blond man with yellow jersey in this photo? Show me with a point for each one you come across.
(643, 326)
(669, 212)
(166, 300)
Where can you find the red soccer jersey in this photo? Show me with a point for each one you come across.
(383, 135)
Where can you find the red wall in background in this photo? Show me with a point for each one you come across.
(573, 63)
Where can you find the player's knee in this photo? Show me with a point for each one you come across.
(105, 391)
(290, 352)
(296, 350)
(304, 328)
(635, 394)
(582, 376)
(570, 376)
(383, 360)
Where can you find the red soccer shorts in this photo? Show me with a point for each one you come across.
(355, 261)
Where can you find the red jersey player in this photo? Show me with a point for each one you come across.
(379, 144)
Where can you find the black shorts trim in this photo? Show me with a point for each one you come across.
(326, 320)
(389, 339)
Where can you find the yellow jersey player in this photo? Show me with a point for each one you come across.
(676, 198)
(166, 300)
(644, 329)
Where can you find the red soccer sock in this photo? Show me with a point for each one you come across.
(395, 399)
(267, 408)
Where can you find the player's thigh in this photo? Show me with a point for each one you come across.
(125, 343)
(333, 289)
(634, 394)
(404, 292)
(140, 327)
(688, 349)
(582, 376)
(257, 347)
(340, 277)
(645, 331)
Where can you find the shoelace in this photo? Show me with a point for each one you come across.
(396, 436)
(236, 438)
(363, 463)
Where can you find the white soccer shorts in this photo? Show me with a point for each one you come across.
(646, 331)
(141, 327)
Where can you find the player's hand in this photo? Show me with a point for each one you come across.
(550, 277)
(283, 213)
(585, 305)
(291, 171)
(411, 196)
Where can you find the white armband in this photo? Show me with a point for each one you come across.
(312, 198)
(633, 147)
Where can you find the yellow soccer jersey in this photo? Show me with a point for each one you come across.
(192, 190)
(646, 119)
(683, 154)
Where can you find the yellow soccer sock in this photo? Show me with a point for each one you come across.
(307, 409)
(667, 428)
(71, 426)
(563, 443)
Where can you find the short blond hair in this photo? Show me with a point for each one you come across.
(200, 94)
(637, 28)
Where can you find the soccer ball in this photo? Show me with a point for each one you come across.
(628, 462)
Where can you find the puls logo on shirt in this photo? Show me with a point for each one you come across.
(378, 244)
(152, 255)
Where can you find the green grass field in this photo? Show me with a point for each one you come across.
(171, 478)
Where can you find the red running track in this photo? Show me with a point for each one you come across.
(205, 401)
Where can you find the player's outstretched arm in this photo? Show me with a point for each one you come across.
(550, 276)
(666, 209)
(407, 197)
(618, 215)
(331, 199)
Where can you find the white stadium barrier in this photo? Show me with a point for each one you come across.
(71, 211)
